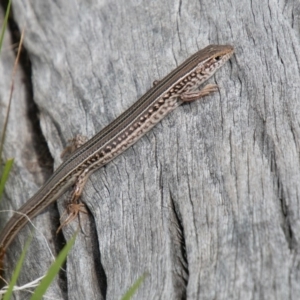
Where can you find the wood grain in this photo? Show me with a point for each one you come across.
(208, 202)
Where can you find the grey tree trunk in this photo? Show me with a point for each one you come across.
(207, 203)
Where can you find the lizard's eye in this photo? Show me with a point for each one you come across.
(217, 58)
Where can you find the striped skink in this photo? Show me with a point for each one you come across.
(181, 85)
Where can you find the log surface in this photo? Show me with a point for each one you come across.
(207, 203)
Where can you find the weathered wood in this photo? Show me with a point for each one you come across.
(208, 202)
(28, 172)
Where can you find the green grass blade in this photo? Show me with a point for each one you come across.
(13, 75)
(4, 177)
(132, 290)
(17, 271)
(3, 29)
(5, 23)
(53, 270)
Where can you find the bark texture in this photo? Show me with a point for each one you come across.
(207, 203)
